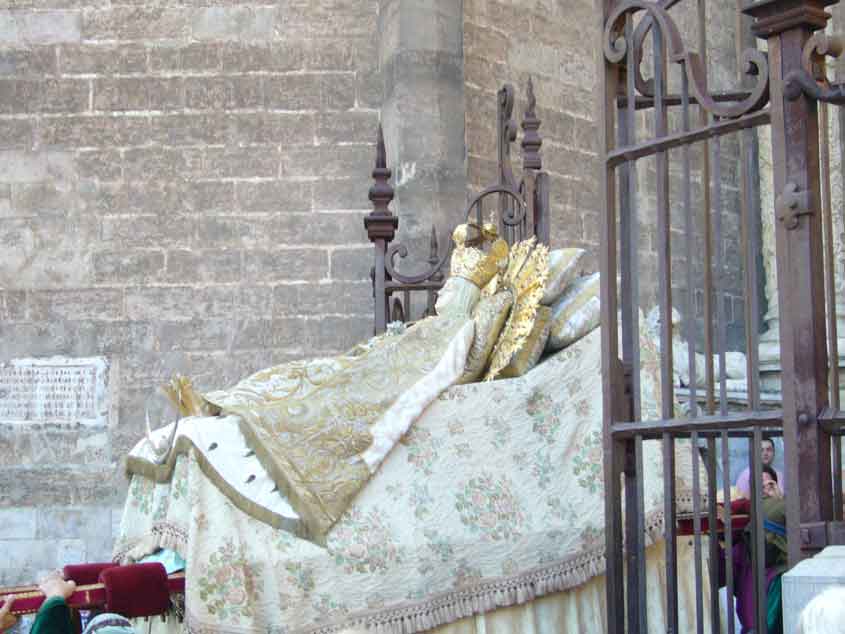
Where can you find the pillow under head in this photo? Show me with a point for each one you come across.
(490, 316)
(576, 313)
(564, 266)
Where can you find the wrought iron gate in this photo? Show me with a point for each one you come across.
(784, 89)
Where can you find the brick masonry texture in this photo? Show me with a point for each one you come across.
(182, 187)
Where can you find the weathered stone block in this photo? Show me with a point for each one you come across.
(31, 61)
(79, 304)
(137, 93)
(234, 23)
(205, 196)
(94, 131)
(221, 231)
(56, 486)
(216, 93)
(204, 266)
(352, 264)
(40, 339)
(64, 95)
(18, 96)
(104, 165)
(18, 523)
(346, 193)
(135, 23)
(145, 198)
(124, 266)
(41, 198)
(44, 27)
(369, 89)
(17, 166)
(347, 127)
(17, 133)
(13, 305)
(65, 523)
(240, 57)
(274, 196)
(253, 162)
(179, 303)
(330, 54)
(189, 129)
(197, 334)
(328, 162)
(287, 128)
(154, 163)
(346, 298)
(92, 58)
(287, 264)
(148, 231)
(319, 229)
(123, 337)
(333, 91)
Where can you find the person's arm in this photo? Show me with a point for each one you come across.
(54, 614)
(7, 619)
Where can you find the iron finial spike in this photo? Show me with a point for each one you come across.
(381, 153)
(532, 100)
(433, 246)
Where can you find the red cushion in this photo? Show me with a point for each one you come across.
(137, 590)
(85, 574)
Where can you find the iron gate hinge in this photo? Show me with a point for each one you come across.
(791, 204)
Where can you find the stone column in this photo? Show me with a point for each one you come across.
(421, 56)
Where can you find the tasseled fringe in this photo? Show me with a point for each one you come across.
(161, 535)
(458, 604)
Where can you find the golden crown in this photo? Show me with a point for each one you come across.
(474, 264)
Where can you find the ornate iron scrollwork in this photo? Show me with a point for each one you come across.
(616, 48)
(811, 80)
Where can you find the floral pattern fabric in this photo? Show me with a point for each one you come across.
(494, 497)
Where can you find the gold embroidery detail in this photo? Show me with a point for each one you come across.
(526, 275)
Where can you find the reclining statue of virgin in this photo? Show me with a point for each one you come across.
(321, 428)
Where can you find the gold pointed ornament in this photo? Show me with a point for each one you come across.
(525, 276)
(187, 401)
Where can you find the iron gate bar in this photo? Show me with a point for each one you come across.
(758, 546)
(653, 428)
(728, 522)
(643, 103)
(696, 529)
(718, 247)
(612, 371)
(671, 141)
(708, 254)
(715, 556)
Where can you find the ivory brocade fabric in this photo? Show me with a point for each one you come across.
(494, 498)
(319, 428)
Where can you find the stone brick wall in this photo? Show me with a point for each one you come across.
(182, 186)
(553, 41)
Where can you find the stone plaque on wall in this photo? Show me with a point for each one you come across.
(61, 390)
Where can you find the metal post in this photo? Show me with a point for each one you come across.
(787, 25)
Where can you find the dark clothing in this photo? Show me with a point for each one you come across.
(53, 618)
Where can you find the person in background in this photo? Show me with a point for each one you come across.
(825, 614)
(54, 614)
(767, 456)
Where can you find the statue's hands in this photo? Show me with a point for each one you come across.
(53, 585)
(7, 619)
